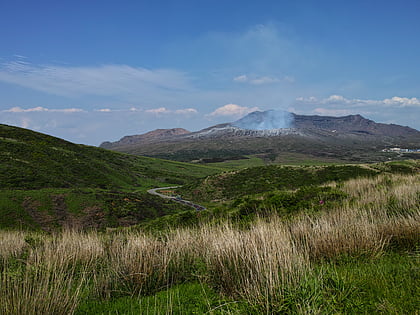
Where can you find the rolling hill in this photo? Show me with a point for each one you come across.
(47, 183)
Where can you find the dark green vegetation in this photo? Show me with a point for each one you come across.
(50, 209)
(287, 191)
(44, 181)
(255, 180)
(187, 298)
(31, 160)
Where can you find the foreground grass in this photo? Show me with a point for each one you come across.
(359, 257)
(386, 284)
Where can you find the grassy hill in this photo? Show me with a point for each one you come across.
(47, 182)
(31, 160)
(254, 180)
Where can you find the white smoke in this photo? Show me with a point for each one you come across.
(271, 119)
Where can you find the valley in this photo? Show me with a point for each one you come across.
(100, 231)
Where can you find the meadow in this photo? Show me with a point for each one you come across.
(356, 256)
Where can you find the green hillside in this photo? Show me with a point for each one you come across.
(254, 180)
(31, 160)
(47, 182)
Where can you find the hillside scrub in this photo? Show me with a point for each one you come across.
(54, 209)
(250, 181)
(32, 160)
(271, 265)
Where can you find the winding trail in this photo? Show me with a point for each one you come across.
(154, 191)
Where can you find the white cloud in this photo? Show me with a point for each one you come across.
(336, 99)
(402, 101)
(186, 111)
(339, 100)
(42, 109)
(241, 78)
(261, 80)
(264, 80)
(157, 111)
(164, 110)
(21, 110)
(232, 110)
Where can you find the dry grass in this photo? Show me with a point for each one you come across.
(257, 264)
(12, 244)
(46, 282)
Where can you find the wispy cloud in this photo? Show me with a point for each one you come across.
(164, 110)
(186, 111)
(232, 110)
(241, 78)
(102, 80)
(42, 109)
(260, 80)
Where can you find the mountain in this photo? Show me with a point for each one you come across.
(272, 133)
(151, 136)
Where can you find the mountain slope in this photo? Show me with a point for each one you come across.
(48, 183)
(348, 138)
(32, 160)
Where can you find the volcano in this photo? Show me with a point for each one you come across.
(271, 133)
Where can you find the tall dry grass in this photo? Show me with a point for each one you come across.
(255, 264)
(45, 275)
(12, 244)
(45, 280)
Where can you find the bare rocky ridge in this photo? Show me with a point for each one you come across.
(352, 124)
(151, 136)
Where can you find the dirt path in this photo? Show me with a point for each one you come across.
(155, 192)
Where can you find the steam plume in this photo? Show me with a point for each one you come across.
(271, 119)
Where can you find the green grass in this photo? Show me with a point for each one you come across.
(262, 179)
(31, 160)
(249, 161)
(46, 182)
(187, 298)
(385, 285)
(53, 208)
(389, 284)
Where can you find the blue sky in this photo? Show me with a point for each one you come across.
(92, 71)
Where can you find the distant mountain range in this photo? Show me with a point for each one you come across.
(271, 132)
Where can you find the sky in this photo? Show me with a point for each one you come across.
(94, 71)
